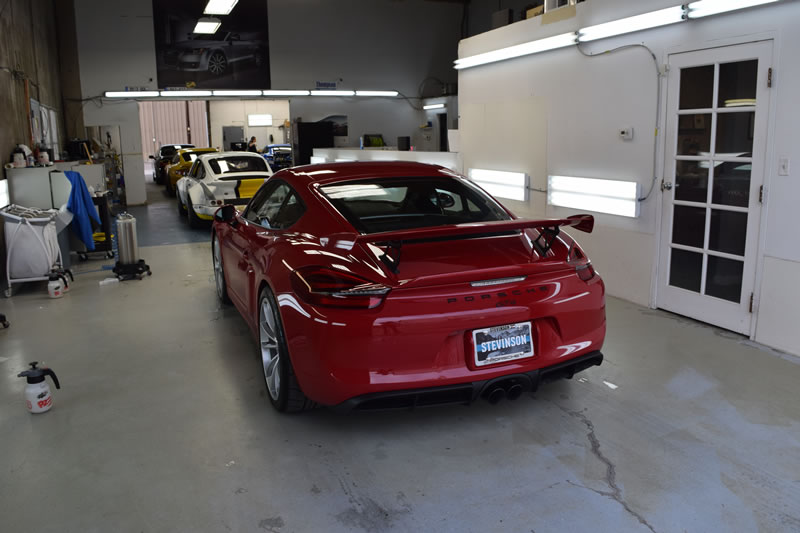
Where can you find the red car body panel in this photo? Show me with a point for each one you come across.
(420, 335)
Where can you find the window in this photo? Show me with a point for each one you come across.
(275, 206)
(232, 164)
(176, 159)
(388, 204)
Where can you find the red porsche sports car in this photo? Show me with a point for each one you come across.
(390, 285)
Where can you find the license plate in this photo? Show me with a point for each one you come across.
(502, 343)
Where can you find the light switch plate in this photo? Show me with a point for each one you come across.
(783, 166)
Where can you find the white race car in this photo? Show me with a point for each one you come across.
(217, 179)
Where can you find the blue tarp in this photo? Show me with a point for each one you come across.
(81, 205)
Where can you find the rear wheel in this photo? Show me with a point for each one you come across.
(285, 393)
(219, 272)
(217, 64)
(181, 207)
(194, 220)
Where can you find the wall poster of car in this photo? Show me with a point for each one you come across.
(235, 56)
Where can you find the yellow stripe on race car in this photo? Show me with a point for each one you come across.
(247, 188)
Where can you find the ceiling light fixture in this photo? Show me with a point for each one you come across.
(433, 106)
(207, 25)
(377, 93)
(654, 19)
(131, 94)
(333, 93)
(237, 93)
(704, 8)
(186, 94)
(524, 49)
(219, 7)
(280, 92)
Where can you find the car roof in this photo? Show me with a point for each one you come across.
(338, 172)
(217, 155)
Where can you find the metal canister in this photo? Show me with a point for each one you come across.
(127, 242)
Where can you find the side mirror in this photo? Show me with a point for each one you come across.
(226, 214)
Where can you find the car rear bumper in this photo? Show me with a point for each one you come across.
(466, 393)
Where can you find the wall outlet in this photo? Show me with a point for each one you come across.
(626, 133)
(783, 166)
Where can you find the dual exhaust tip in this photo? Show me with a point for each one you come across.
(510, 389)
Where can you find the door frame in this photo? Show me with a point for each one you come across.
(769, 166)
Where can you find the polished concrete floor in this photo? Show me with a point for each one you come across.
(162, 425)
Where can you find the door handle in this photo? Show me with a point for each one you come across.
(666, 185)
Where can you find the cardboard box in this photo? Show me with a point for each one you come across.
(534, 12)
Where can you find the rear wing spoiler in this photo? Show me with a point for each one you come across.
(550, 226)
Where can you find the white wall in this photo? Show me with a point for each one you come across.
(572, 106)
(234, 113)
(116, 49)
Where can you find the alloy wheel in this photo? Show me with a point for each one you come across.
(270, 351)
(217, 64)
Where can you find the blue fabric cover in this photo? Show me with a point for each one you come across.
(81, 205)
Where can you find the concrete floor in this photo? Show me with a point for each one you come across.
(162, 424)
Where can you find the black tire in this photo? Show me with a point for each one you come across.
(169, 188)
(181, 207)
(217, 64)
(157, 178)
(194, 221)
(290, 397)
(219, 273)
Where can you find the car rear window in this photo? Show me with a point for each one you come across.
(389, 204)
(231, 164)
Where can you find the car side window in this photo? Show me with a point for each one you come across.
(176, 159)
(277, 207)
(201, 171)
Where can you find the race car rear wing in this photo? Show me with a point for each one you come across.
(454, 231)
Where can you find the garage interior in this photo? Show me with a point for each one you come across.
(673, 125)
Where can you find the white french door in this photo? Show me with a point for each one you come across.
(716, 135)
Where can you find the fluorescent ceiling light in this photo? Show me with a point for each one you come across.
(333, 93)
(433, 106)
(207, 25)
(186, 94)
(662, 17)
(219, 7)
(259, 120)
(591, 194)
(377, 93)
(511, 185)
(279, 92)
(524, 49)
(131, 94)
(704, 8)
(237, 93)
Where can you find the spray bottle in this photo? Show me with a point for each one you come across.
(37, 392)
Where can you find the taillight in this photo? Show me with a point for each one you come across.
(585, 272)
(331, 288)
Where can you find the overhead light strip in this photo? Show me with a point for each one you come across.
(653, 19)
(333, 93)
(236, 93)
(131, 94)
(207, 25)
(433, 106)
(247, 93)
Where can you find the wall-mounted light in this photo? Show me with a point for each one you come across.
(219, 7)
(661, 17)
(186, 94)
(207, 25)
(524, 49)
(236, 93)
(704, 8)
(5, 198)
(377, 93)
(591, 194)
(654, 19)
(131, 94)
(433, 106)
(511, 185)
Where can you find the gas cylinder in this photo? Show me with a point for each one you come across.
(37, 391)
